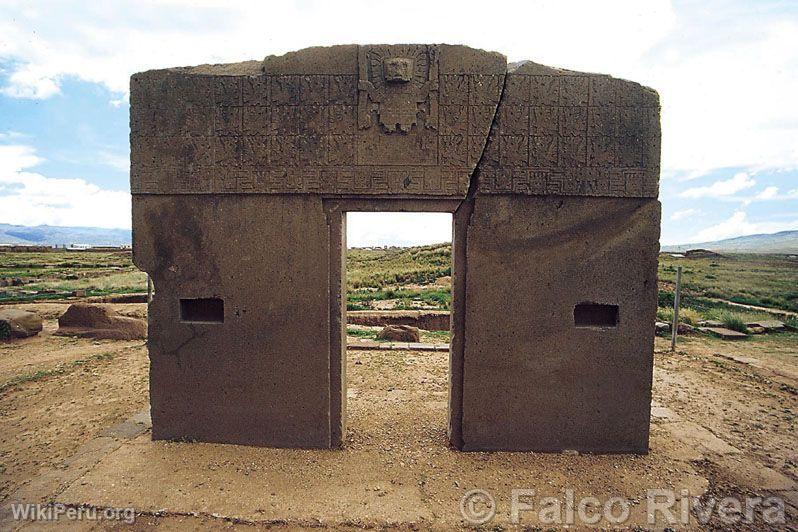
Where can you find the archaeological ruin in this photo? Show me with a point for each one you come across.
(242, 175)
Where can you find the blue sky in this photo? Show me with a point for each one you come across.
(726, 71)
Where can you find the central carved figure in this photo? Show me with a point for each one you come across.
(398, 69)
(242, 176)
(396, 86)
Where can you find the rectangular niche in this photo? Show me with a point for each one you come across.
(595, 315)
(202, 310)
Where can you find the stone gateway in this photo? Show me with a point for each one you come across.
(242, 176)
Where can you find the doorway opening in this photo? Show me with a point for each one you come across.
(397, 305)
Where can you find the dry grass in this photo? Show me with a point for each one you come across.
(49, 275)
(761, 280)
(115, 282)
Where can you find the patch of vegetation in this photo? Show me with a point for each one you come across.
(59, 370)
(392, 266)
(367, 334)
(731, 320)
(665, 299)
(686, 315)
(689, 316)
(433, 296)
(758, 280)
(703, 309)
(411, 276)
(435, 336)
(56, 274)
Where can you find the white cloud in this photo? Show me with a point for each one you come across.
(397, 228)
(768, 193)
(726, 79)
(738, 225)
(115, 160)
(683, 214)
(725, 74)
(107, 43)
(740, 181)
(118, 102)
(27, 83)
(772, 194)
(29, 198)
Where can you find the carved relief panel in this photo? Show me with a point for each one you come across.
(393, 119)
(394, 124)
(567, 133)
(398, 105)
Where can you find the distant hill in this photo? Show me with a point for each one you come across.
(783, 242)
(47, 235)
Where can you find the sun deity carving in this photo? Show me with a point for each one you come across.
(395, 87)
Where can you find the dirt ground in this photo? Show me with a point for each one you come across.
(724, 424)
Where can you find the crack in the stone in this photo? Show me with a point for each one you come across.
(464, 212)
(473, 183)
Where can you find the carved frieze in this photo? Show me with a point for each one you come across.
(566, 133)
(395, 119)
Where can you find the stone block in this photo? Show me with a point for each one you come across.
(534, 376)
(258, 372)
(241, 176)
(20, 323)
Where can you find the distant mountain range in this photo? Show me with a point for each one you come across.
(47, 235)
(783, 242)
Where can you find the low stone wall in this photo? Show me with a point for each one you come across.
(429, 320)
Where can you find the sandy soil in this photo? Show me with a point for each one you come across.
(83, 387)
(751, 407)
(724, 423)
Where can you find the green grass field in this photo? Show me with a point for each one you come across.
(419, 277)
(56, 274)
(761, 280)
(381, 267)
(409, 277)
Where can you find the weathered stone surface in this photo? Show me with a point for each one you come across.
(399, 333)
(87, 320)
(532, 378)
(363, 344)
(701, 438)
(770, 325)
(242, 176)
(21, 323)
(724, 333)
(321, 120)
(261, 375)
(566, 133)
